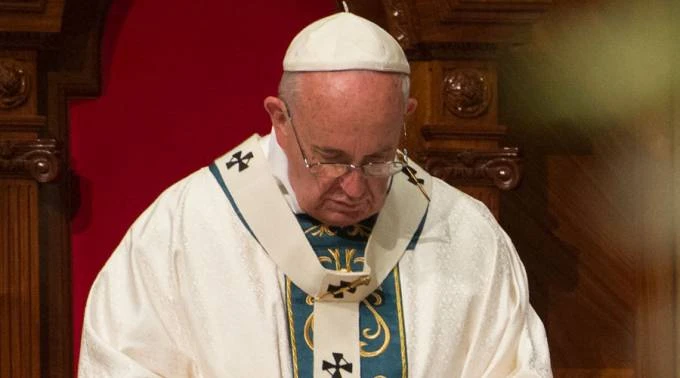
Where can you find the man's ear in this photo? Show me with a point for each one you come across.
(278, 115)
(411, 105)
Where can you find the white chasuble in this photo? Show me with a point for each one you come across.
(192, 292)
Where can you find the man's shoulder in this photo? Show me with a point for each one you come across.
(450, 202)
(194, 184)
(464, 232)
(199, 192)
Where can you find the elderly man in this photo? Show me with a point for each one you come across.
(318, 250)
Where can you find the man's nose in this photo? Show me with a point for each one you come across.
(353, 183)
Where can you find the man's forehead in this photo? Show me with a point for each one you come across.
(351, 79)
(354, 140)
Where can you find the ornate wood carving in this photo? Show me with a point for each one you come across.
(19, 279)
(15, 84)
(466, 92)
(501, 169)
(38, 159)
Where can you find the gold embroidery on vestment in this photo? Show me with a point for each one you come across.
(309, 326)
(291, 327)
(320, 231)
(400, 321)
(335, 259)
(380, 328)
(375, 299)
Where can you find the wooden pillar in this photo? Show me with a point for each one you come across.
(19, 279)
(49, 50)
(24, 160)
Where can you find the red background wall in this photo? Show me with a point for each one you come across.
(182, 84)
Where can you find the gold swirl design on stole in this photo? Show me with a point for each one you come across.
(381, 328)
(291, 328)
(335, 258)
(320, 231)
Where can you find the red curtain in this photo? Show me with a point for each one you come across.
(183, 82)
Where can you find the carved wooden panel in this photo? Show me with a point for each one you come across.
(458, 106)
(456, 133)
(19, 279)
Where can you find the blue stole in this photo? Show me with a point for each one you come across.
(383, 342)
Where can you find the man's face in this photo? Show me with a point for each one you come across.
(351, 117)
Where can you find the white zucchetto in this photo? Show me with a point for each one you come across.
(345, 41)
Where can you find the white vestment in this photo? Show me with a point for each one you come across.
(190, 293)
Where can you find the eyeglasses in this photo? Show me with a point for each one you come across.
(335, 170)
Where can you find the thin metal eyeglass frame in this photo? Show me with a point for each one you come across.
(400, 158)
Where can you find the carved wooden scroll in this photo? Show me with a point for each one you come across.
(499, 168)
(37, 159)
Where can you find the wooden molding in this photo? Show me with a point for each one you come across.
(449, 132)
(23, 5)
(494, 11)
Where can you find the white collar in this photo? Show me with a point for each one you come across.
(279, 166)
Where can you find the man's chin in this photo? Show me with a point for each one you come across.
(341, 218)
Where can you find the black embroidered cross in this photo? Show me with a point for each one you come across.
(340, 364)
(411, 173)
(241, 161)
(337, 290)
